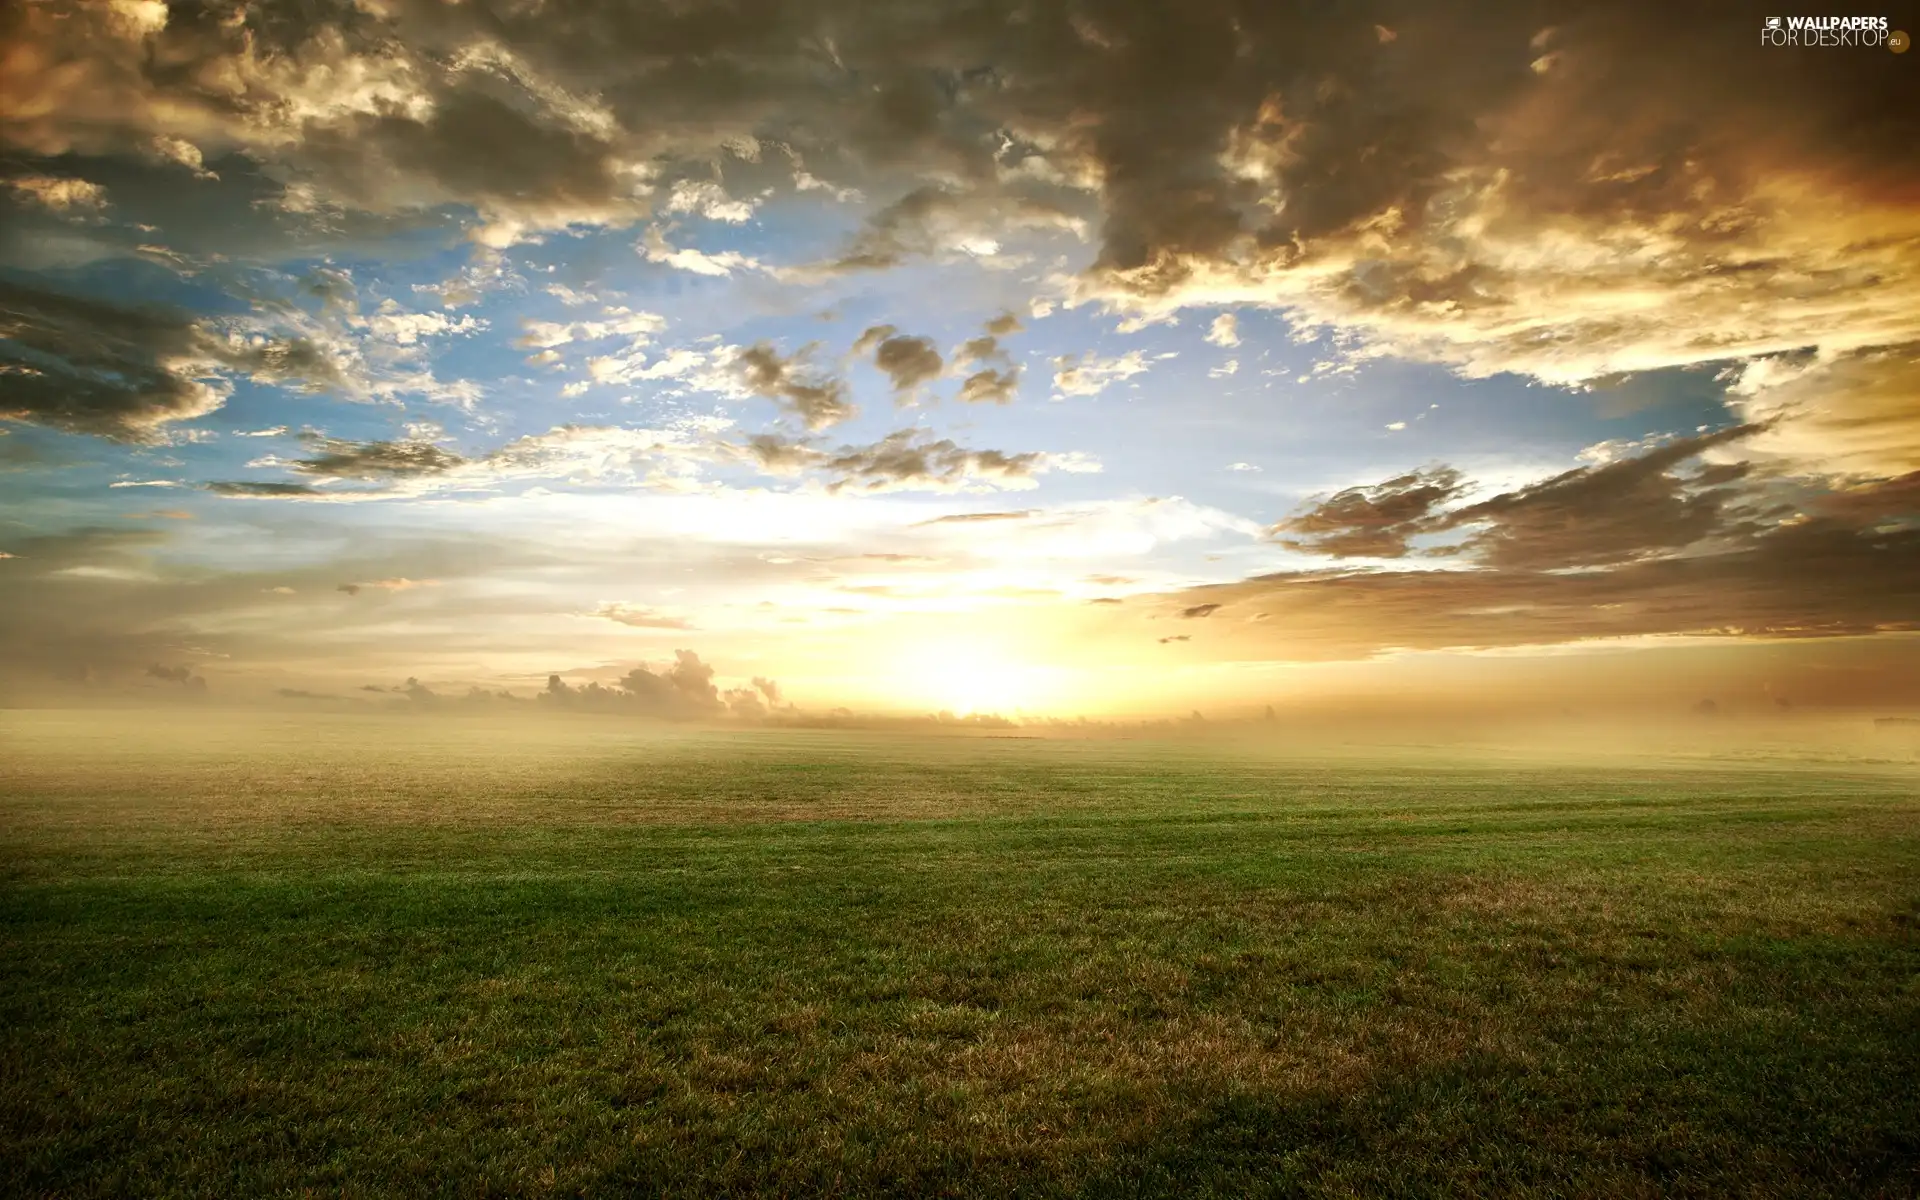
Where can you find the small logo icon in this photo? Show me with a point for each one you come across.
(1898, 41)
(1773, 22)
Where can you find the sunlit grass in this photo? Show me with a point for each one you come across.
(343, 956)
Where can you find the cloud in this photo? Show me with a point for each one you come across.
(991, 387)
(275, 491)
(58, 194)
(1225, 331)
(706, 198)
(1591, 516)
(182, 675)
(374, 460)
(86, 366)
(618, 322)
(981, 517)
(1476, 190)
(1569, 203)
(938, 216)
(397, 584)
(654, 249)
(907, 361)
(1852, 414)
(74, 611)
(371, 119)
(985, 348)
(1089, 374)
(912, 460)
(682, 690)
(412, 467)
(818, 401)
(1372, 522)
(1602, 515)
(401, 328)
(1816, 579)
(1631, 548)
(641, 618)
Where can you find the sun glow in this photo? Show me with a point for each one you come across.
(972, 678)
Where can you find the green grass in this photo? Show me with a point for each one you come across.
(337, 958)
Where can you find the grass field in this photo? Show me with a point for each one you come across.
(335, 958)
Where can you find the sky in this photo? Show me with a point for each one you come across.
(1110, 358)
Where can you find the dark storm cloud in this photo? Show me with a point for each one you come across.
(90, 366)
(1592, 516)
(1597, 516)
(901, 230)
(819, 401)
(1372, 522)
(1654, 553)
(1498, 187)
(375, 460)
(1870, 504)
(273, 491)
(1816, 579)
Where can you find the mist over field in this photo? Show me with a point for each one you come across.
(579, 954)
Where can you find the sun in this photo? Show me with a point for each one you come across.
(971, 679)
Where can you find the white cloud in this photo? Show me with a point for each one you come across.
(59, 194)
(656, 250)
(1089, 374)
(707, 199)
(407, 328)
(618, 322)
(568, 296)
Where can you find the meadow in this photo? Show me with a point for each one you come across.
(250, 955)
